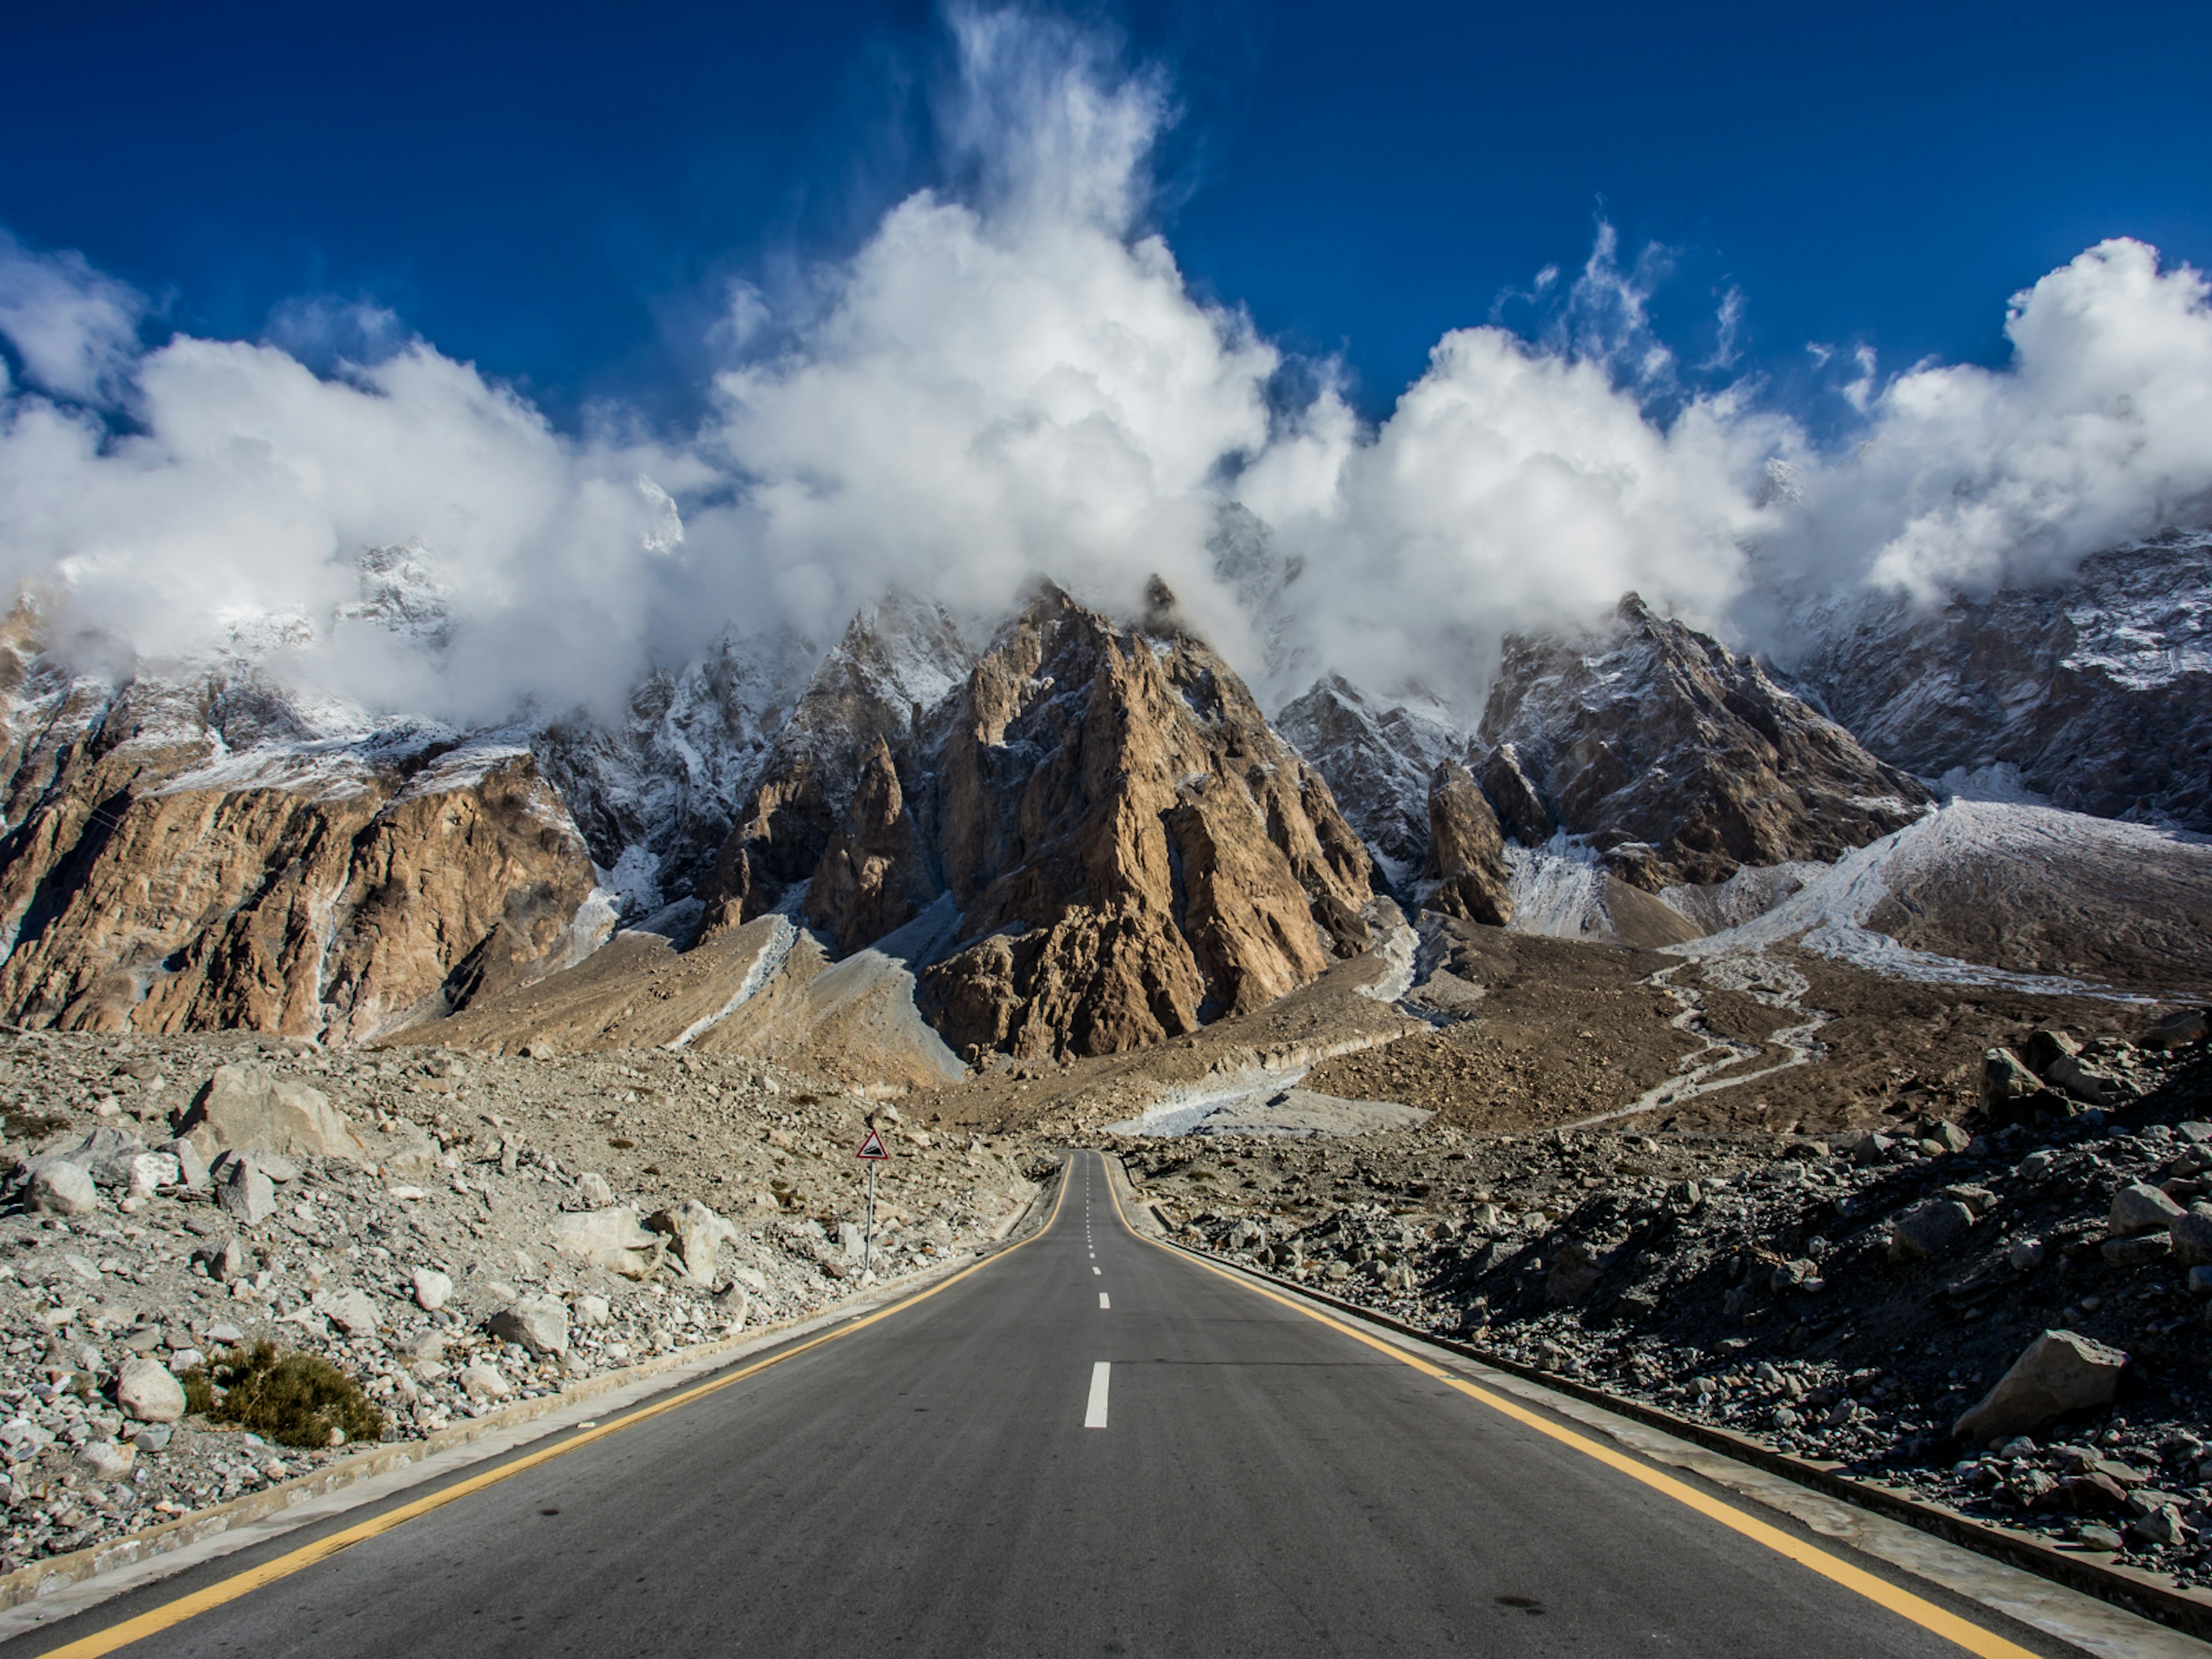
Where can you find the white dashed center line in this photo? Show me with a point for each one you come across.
(1094, 1417)
(1103, 1303)
(1101, 1275)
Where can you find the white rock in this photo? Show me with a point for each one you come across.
(62, 1189)
(732, 1302)
(612, 1238)
(593, 1190)
(591, 1310)
(146, 1390)
(354, 1312)
(247, 1192)
(700, 1235)
(246, 1107)
(433, 1288)
(2059, 1372)
(149, 1170)
(105, 1459)
(539, 1324)
(483, 1381)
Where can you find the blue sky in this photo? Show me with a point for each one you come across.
(558, 194)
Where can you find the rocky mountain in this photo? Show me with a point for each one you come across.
(1379, 758)
(898, 660)
(1681, 760)
(1130, 849)
(2098, 690)
(1676, 760)
(1078, 838)
(167, 865)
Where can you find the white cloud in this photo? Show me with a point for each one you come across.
(2098, 430)
(75, 328)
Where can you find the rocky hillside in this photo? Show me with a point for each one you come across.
(453, 1233)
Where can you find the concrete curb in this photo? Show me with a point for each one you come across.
(40, 1580)
(2129, 1588)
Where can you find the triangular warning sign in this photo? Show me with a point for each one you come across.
(872, 1146)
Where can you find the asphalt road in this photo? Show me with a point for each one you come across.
(1261, 1484)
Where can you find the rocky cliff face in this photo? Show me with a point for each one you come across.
(1135, 852)
(166, 868)
(1678, 760)
(1130, 849)
(1681, 760)
(897, 661)
(2099, 689)
(1379, 758)
(1466, 850)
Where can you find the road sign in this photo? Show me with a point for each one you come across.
(874, 1152)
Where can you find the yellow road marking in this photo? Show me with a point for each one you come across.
(171, 1614)
(1925, 1613)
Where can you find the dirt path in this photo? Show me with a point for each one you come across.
(1759, 978)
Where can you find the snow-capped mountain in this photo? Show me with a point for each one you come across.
(2097, 691)
(1083, 835)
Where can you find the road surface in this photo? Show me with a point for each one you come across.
(1088, 1445)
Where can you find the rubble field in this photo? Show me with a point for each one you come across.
(2008, 1310)
(453, 1233)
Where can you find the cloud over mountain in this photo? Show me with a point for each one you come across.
(1010, 377)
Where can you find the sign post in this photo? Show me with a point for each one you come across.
(872, 1152)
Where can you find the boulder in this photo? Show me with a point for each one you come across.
(2088, 1084)
(2139, 1251)
(2191, 1232)
(1575, 1273)
(104, 1153)
(191, 1168)
(224, 1262)
(699, 1234)
(354, 1312)
(732, 1304)
(105, 1460)
(2138, 1208)
(593, 1190)
(2046, 1047)
(2058, 1372)
(146, 1391)
(612, 1238)
(591, 1310)
(246, 1193)
(1928, 1228)
(539, 1324)
(433, 1288)
(2178, 1030)
(2005, 1079)
(483, 1381)
(61, 1188)
(246, 1107)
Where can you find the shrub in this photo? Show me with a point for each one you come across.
(294, 1399)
